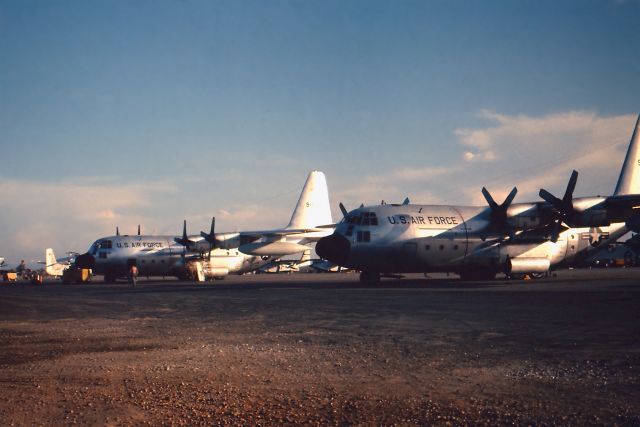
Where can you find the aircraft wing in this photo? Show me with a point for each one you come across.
(628, 201)
(284, 232)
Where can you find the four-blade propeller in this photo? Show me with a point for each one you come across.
(184, 240)
(499, 222)
(211, 236)
(564, 211)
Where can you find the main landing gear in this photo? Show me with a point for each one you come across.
(479, 274)
(369, 277)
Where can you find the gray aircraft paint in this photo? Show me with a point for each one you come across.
(465, 239)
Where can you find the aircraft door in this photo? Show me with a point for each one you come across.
(409, 255)
(410, 250)
(572, 244)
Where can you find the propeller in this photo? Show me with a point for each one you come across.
(184, 240)
(498, 214)
(564, 210)
(343, 210)
(211, 236)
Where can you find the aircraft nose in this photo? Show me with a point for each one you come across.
(334, 248)
(85, 261)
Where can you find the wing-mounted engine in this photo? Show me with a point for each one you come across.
(272, 248)
(563, 210)
(222, 240)
(499, 223)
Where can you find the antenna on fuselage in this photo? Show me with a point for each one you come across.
(117, 231)
(138, 229)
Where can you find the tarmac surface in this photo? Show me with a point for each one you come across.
(322, 349)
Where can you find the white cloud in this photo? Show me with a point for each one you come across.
(69, 214)
(515, 150)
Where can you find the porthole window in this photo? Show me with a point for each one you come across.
(442, 247)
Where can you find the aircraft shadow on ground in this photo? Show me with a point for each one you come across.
(385, 284)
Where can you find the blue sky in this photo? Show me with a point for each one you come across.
(119, 113)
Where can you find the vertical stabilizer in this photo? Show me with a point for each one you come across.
(629, 180)
(313, 207)
(50, 261)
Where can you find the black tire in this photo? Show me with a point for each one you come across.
(478, 275)
(369, 277)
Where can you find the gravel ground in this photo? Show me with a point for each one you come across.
(324, 350)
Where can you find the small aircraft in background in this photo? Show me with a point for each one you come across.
(55, 267)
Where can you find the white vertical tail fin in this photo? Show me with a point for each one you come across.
(50, 261)
(313, 207)
(629, 180)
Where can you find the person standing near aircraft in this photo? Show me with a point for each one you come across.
(133, 275)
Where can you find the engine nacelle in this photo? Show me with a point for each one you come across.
(227, 240)
(528, 265)
(592, 218)
(272, 248)
(634, 224)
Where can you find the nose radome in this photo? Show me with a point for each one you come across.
(334, 248)
(85, 260)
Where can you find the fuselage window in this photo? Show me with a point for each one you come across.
(455, 247)
(442, 247)
(102, 255)
(427, 247)
(374, 219)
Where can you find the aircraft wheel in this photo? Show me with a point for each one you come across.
(478, 275)
(369, 277)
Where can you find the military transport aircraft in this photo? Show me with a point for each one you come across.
(479, 242)
(214, 255)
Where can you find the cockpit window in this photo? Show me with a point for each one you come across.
(104, 244)
(364, 218)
